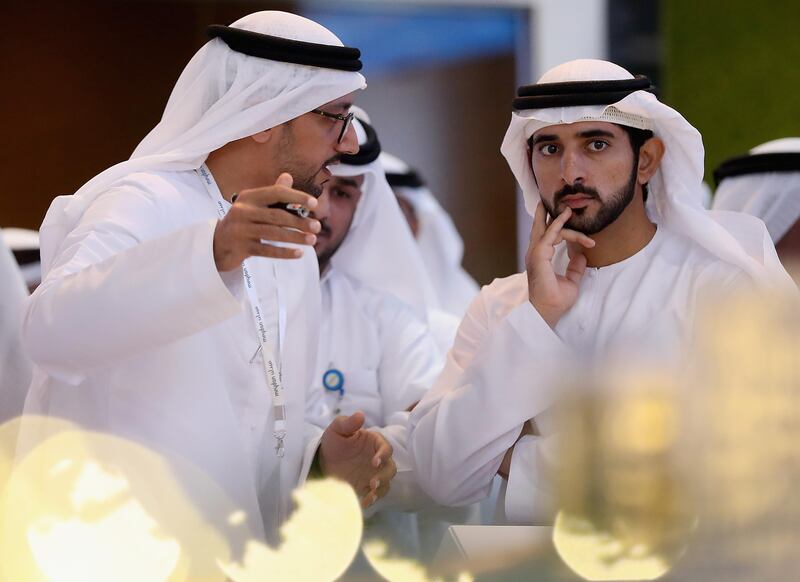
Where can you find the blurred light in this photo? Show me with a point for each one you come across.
(320, 539)
(625, 506)
(82, 506)
(393, 568)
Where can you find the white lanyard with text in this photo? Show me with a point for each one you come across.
(269, 354)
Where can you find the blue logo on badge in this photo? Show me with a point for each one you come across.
(333, 381)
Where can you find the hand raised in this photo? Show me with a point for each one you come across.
(551, 294)
(250, 221)
(360, 457)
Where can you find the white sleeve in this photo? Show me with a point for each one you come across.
(496, 378)
(529, 494)
(113, 292)
(312, 438)
(410, 360)
(405, 494)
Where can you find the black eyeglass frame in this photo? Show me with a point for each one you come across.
(346, 119)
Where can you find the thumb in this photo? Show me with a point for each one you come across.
(576, 268)
(285, 179)
(348, 425)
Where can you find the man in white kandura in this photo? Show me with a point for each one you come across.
(619, 266)
(177, 309)
(766, 184)
(376, 352)
(440, 244)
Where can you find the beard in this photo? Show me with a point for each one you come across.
(325, 254)
(609, 211)
(302, 173)
(306, 184)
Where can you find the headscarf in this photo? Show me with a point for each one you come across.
(440, 245)
(24, 243)
(222, 95)
(771, 195)
(675, 198)
(379, 249)
(15, 367)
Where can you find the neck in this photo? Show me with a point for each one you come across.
(623, 238)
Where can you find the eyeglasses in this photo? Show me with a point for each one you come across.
(345, 119)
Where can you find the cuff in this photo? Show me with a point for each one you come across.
(208, 280)
(531, 327)
(311, 468)
(527, 500)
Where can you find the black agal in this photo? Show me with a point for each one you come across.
(368, 152)
(408, 179)
(574, 93)
(758, 164)
(285, 50)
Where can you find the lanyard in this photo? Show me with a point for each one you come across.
(272, 371)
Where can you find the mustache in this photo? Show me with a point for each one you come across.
(324, 228)
(571, 189)
(333, 161)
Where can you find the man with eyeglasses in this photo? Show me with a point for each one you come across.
(179, 306)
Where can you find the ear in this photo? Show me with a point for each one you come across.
(650, 155)
(262, 136)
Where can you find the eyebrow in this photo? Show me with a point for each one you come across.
(348, 182)
(542, 137)
(583, 134)
(596, 133)
(341, 106)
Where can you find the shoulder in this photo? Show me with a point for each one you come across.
(686, 255)
(150, 203)
(159, 188)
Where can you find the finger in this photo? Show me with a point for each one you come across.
(555, 227)
(285, 180)
(538, 227)
(573, 236)
(384, 475)
(279, 217)
(387, 473)
(576, 268)
(347, 425)
(259, 249)
(383, 453)
(368, 500)
(259, 232)
(382, 491)
(277, 193)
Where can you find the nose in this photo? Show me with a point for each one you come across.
(322, 211)
(572, 170)
(349, 144)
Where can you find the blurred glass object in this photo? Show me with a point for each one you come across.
(625, 509)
